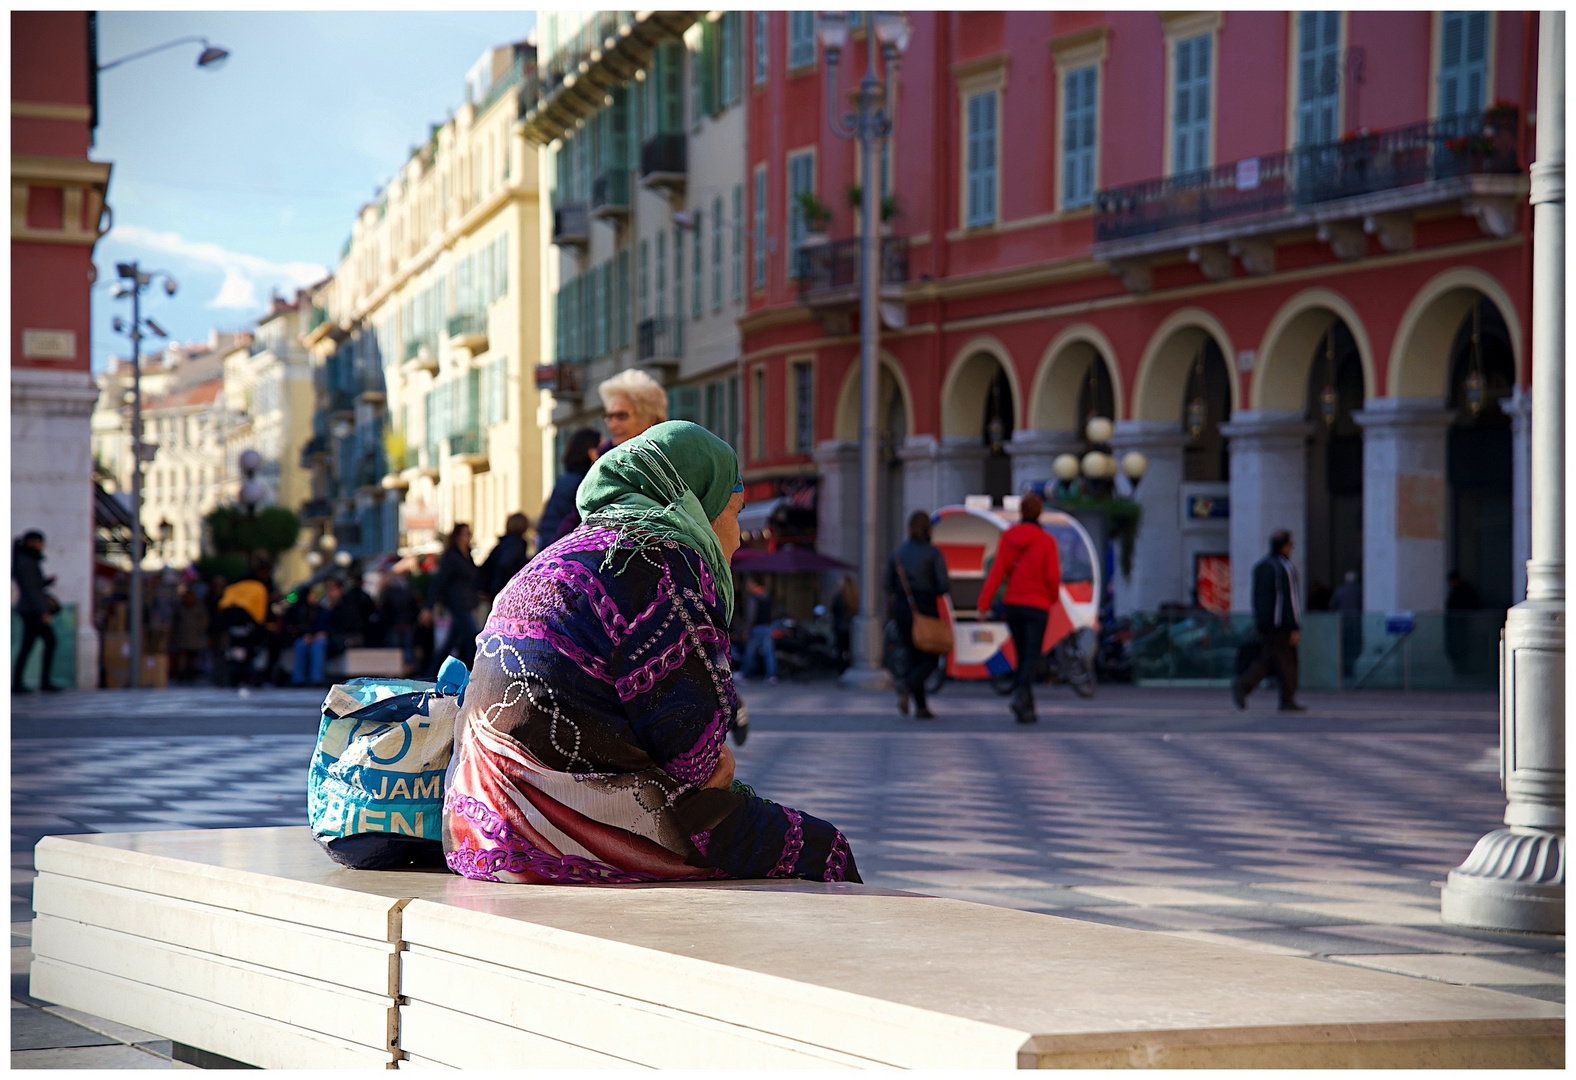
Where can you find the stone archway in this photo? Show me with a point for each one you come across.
(979, 413)
(1419, 357)
(1168, 359)
(1315, 364)
(1061, 382)
(838, 461)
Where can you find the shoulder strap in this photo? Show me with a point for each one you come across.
(903, 578)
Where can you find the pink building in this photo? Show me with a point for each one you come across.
(1287, 253)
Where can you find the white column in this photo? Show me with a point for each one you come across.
(1032, 453)
(1405, 552)
(52, 490)
(918, 454)
(1519, 408)
(1157, 554)
(1269, 491)
(1515, 877)
(837, 501)
(960, 469)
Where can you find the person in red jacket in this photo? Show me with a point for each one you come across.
(1026, 557)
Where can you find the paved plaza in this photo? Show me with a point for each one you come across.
(1326, 834)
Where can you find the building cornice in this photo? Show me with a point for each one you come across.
(51, 110)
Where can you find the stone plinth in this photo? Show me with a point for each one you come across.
(1404, 504)
(1269, 491)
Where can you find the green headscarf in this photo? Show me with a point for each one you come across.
(668, 483)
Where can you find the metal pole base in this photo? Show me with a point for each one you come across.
(866, 672)
(1513, 880)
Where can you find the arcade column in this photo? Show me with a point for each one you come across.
(960, 469)
(1157, 555)
(1269, 491)
(1032, 453)
(837, 503)
(1404, 497)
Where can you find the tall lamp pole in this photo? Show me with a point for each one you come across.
(133, 280)
(1515, 877)
(870, 124)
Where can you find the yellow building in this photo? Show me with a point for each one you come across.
(439, 286)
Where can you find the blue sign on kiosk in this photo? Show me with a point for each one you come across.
(1399, 622)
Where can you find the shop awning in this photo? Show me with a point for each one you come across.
(756, 516)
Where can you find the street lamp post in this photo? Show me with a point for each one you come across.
(133, 279)
(212, 56)
(1515, 877)
(869, 124)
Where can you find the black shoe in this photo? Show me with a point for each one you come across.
(902, 700)
(1238, 698)
(51, 688)
(1293, 706)
(20, 690)
(924, 713)
(1027, 717)
(741, 725)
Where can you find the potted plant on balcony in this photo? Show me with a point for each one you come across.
(856, 200)
(817, 216)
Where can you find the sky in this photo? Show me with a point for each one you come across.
(246, 179)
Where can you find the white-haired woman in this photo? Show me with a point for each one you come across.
(632, 401)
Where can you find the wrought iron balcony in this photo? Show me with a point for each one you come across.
(571, 225)
(664, 161)
(1363, 184)
(829, 273)
(468, 444)
(660, 341)
(564, 379)
(422, 352)
(468, 330)
(610, 194)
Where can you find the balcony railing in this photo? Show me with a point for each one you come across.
(571, 225)
(610, 194)
(563, 379)
(413, 346)
(1306, 175)
(502, 85)
(664, 160)
(468, 442)
(468, 323)
(659, 340)
(827, 268)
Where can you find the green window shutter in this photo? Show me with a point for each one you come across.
(1463, 63)
(716, 252)
(737, 262)
(671, 66)
(1318, 76)
(662, 275)
(621, 294)
(1190, 104)
(618, 129)
(1080, 105)
(758, 255)
(697, 253)
(761, 35)
(678, 273)
(645, 280)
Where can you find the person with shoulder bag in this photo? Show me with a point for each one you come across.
(916, 578)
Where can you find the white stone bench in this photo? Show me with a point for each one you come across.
(253, 945)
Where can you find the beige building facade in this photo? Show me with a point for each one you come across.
(640, 123)
(440, 285)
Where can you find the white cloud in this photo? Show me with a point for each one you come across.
(247, 278)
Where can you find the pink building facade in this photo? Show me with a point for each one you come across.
(1288, 254)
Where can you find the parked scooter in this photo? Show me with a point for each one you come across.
(1113, 660)
(804, 649)
(1070, 661)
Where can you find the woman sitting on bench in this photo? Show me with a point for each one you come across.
(591, 746)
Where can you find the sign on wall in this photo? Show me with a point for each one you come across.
(1212, 580)
(49, 345)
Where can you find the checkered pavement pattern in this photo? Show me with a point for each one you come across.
(1326, 845)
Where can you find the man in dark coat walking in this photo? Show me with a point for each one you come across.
(1276, 614)
(35, 606)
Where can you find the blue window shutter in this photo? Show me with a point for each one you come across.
(1463, 63)
(1318, 76)
(981, 159)
(1079, 108)
(1190, 104)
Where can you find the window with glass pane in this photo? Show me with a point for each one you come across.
(758, 413)
(736, 235)
(644, 287)
(804, 407)
(716, 252)
(678, 274)
(759, 255)
(727, 57)
(981, 160)
(1080, 108)
(760, 48)
(801, 39)
(1190, 104)
(801, 180)
(1318, 76)
(662, 274)
(1463, 62)
(697, 263)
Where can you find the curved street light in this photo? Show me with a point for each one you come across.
(212, 56)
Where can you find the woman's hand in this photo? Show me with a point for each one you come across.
(722, 775)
